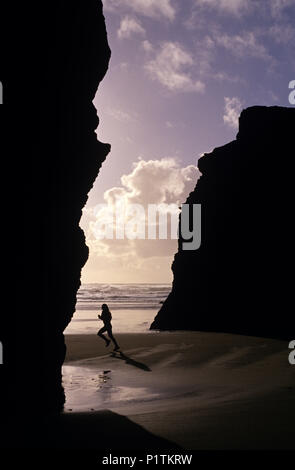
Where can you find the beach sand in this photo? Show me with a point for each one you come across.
(195, 390)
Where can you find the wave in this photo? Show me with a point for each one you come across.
(124, 296)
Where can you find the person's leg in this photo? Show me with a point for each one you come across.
(110, 333)
(100, 333)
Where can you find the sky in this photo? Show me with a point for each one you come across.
(181, 71)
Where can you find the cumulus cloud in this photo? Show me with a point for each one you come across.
(150, 8)
(159, 181)
(150, 182)
(171, 67)
(232, 110)
(130, 26)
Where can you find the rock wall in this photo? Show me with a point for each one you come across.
(240, 278)
(57, 53)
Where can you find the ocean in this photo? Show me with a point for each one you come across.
(133, 307)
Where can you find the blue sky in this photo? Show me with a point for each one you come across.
(180, 73)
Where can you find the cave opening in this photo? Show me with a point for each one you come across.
(132, 275)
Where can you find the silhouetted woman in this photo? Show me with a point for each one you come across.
(106, 317)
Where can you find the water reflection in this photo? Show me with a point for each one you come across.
(89, 389)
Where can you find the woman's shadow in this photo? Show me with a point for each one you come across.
(128, 360)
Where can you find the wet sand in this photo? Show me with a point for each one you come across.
(196, 390)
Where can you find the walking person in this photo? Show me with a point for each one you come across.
(106, 317)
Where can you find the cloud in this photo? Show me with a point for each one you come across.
(170, 125)
(119, 115)
(150, 8)
(277, 6)
(147, 46)
(170, 67)
(235, 7)
(232, 110)
(149, 182)
(156, 181)
(130, 26)
(205, 53)
(282, 34)
(243, 45)
(240, 8)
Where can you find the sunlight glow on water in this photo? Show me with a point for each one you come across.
(91, 389)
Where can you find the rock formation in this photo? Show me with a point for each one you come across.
(57, 54)
(239, 280)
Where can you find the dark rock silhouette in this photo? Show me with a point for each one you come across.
(57, 54)
(100, 431)
(240, 278)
